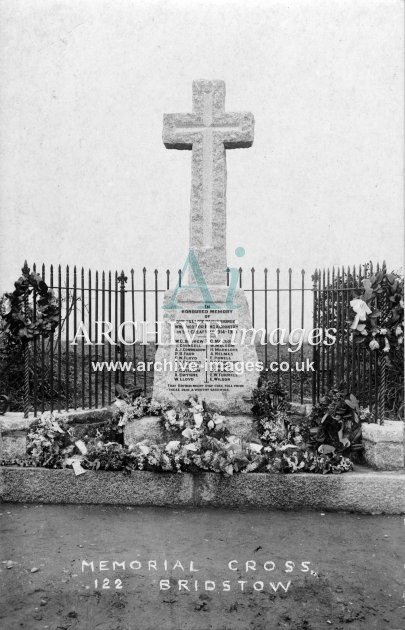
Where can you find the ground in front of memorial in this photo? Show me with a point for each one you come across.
(357, 563)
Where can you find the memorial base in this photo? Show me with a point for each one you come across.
(150, 428)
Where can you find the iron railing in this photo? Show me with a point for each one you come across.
(62, 374)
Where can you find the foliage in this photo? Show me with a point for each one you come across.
(109, 456)
(19, 323)
(336, 422)
(49, 441)
(197, 440)
(269, 397)
(378, 311)
(317, 443)
(192, 417)
(112, 430)
(378, 321)
(22, 320)
(374, 321)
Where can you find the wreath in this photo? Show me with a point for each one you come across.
(21, 321)
(380, 299)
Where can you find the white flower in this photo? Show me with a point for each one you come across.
(123, 419)
(144, 449)
(383, 331)
(387, 346)
(172, 446)
(56, 427)
(187, 433)
(5, 306)
(191, 447)
(198, 419)
(400, 339)
(255, 448)
(234, 442)
(196, 405)
(361, 309)
(398, 331)
(374, 345)
(170, 414)
(218, 419)
(211, 424)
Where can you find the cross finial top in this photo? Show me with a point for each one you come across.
(234, 130)
(208, 131)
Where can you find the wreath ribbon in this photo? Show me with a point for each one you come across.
(361, 309)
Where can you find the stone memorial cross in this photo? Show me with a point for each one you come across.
(208, 131)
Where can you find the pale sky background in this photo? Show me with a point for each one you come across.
(85, 178)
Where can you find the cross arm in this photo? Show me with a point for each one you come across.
(176, 131)
(238, 130)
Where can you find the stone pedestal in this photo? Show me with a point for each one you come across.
(207, 350)
(150, 428)
(384, 445)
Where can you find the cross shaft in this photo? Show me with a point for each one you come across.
(208, 131)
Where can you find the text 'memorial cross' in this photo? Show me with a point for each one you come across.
(208, 131)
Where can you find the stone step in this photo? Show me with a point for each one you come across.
(362, 491)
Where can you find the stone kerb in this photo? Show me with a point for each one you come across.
(384, 447)
(368, 492)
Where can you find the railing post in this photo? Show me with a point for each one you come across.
(122, 279)
(382, 386)
(302, 327)
(382, 357)
(314, 348)
(289, 330)
(26, 271)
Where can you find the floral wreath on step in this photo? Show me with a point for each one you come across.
(20, 321)
(194, 440)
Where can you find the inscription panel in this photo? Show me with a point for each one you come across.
(205, 355)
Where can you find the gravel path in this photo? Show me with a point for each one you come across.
(303, 571)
